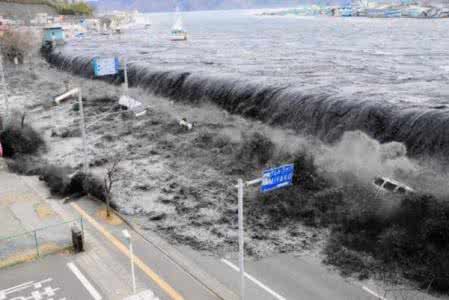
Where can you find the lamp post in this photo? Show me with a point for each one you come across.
(128, 238)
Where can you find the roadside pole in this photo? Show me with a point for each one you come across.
(127, 236)
(5, 92)
(83, 131)
(240, 186)
(241, 239)
(125, 73)
(272, 179)
(132, 266)
(73, 93)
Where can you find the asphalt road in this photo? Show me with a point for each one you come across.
(103, 271)
(54, 277)
(154, 270)
(282, 277)
(286, 276)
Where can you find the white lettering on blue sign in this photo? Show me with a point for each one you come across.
(276, 178)
(106, 66)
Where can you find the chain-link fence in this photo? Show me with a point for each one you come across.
(39, 242)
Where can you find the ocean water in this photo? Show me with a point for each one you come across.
(391, 59)
(317, 75)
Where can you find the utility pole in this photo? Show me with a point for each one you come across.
(5, 92)
(83, 131)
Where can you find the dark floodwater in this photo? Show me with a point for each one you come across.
(391, 59)
(320, 76)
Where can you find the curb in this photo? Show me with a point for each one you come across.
(186, 264)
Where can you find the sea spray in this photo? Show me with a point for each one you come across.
(323, 115)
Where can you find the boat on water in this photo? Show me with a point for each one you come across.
(178, 33)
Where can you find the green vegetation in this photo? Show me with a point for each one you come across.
(79, 8)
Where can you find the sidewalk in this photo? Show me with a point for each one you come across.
(106, 257)
(29, 227)
(26, 205)
(98, 261)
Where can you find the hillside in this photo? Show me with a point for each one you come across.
(187, 5)
(28, 8)
(24, 9)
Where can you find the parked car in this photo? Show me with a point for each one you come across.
(393, 186)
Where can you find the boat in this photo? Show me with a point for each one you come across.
(178, 33)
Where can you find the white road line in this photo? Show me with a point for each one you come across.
(263, 286)
(373, 293)
(17, 288)
(89, 287)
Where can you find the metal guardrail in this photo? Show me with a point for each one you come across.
(39, 242)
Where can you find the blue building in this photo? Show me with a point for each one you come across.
(54, 34)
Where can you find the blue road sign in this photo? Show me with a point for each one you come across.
(276, 178)
(106, 66)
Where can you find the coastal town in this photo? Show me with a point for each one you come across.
(371, 9)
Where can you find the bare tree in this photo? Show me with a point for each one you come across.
(109, 179)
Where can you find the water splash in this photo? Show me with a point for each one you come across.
(326, 116)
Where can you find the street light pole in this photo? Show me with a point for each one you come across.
(128, 237)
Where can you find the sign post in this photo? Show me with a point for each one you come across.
(125, 74)
(277, 178)
(106, 66)
(111, 66)
(272, 179)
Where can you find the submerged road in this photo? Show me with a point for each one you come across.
(177, 272)
(283, 277)
(105, 263)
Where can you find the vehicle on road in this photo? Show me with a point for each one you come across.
(389, 185)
